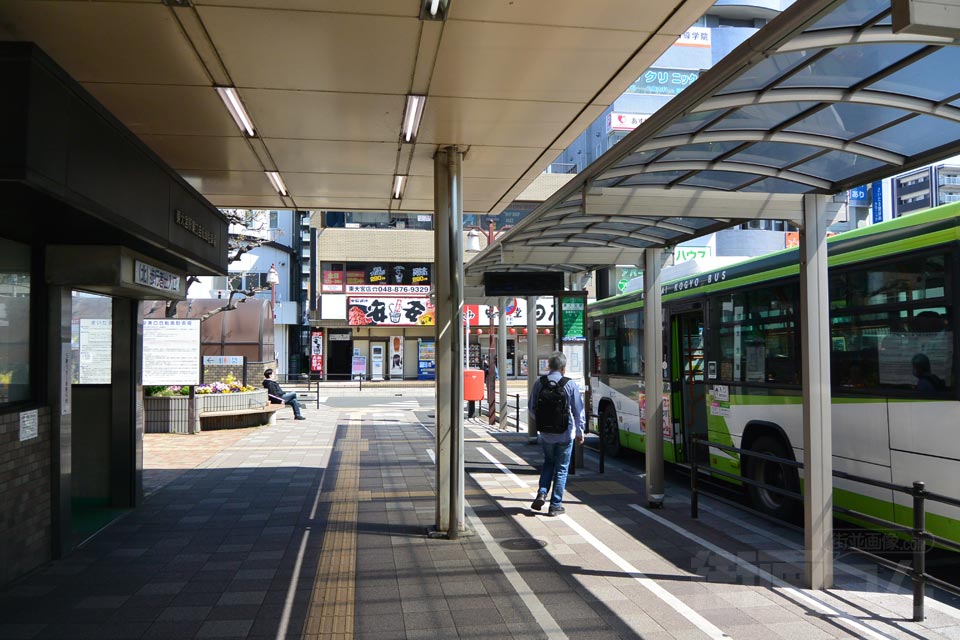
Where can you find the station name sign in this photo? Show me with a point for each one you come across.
(195, 228)
(148, 275)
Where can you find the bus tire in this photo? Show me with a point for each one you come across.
(610, 431)
(773, 474)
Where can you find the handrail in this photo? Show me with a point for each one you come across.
(919, 536)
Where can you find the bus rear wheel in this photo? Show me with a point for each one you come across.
(773, 474)
(610, 431)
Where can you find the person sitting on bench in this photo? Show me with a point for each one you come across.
(277, 396)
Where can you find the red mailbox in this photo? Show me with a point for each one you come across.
(473, 384)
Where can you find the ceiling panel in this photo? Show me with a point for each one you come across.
(156, 109)
(311, 115)
(481, 162)
(106, 41)
(345, 204)
(338, 185)
(320, 156)
(479, 60)
(204, 153)
(408, 8)
(477, 189)
(618, 14)
(503, 123)
(242, 183)
(314, 51)
(235, 201)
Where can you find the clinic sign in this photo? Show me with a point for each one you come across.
(663, 81)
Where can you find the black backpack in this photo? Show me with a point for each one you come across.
(551, 410)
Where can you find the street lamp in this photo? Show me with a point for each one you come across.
(273, 279)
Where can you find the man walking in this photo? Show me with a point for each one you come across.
(557, 408)
(277, 396)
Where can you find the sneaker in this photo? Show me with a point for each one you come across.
(299, 418)
(538, 501)
(556, 511)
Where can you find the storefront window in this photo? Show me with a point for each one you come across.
(14, 322)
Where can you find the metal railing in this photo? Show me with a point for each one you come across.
(918, 535)
(515, 406)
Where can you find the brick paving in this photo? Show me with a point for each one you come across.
(316, 529)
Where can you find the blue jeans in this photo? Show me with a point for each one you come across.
(556, 459)
(291, 399)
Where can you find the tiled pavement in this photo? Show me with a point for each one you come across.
(316, 529)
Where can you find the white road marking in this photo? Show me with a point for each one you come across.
(510, 474)
(671, 600)
(527, 595)
(783, 587)
(432, 455)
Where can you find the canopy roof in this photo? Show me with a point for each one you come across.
(824, 98)
(325, 85)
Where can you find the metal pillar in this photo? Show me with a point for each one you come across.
(59, 391)
(448, 249)
(502, 362)
(653, 374)
(817, 428)
(533, 367)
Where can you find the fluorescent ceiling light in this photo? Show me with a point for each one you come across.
(434, 9)
(398, 183)
(235, 107)
(411, 117)
(277, 182)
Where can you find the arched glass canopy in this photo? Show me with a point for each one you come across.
(823, 99)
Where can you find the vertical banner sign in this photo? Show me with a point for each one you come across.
(316, 352)
(396, 357)
(877, 205)
(572, 324)
(171, 352)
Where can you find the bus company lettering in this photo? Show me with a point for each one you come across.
(693, 283)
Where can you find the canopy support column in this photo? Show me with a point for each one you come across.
(533, 366)
(653, 375)
(501, 368)
(448, 249)
(817, 427)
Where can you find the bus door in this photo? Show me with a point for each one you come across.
(687, 383)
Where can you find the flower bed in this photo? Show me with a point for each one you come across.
(166, 409)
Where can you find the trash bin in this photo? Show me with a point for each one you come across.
(473, 384)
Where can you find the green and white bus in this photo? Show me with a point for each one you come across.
(732, 374)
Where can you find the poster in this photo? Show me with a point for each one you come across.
(396, 357)
(426, 360)
(316, 352)
(389, 311)
(96, 349)
(358, 366)
(171, 352)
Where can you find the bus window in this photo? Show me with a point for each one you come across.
(619, 345)
(754, 333)
(906, 347)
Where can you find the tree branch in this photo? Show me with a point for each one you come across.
(231, 304)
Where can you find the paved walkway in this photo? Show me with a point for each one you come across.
(315, 529)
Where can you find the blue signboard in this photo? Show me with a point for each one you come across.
(877, 205)
(426, 360)
(859, 196)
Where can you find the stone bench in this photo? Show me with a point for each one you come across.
(239, 418)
